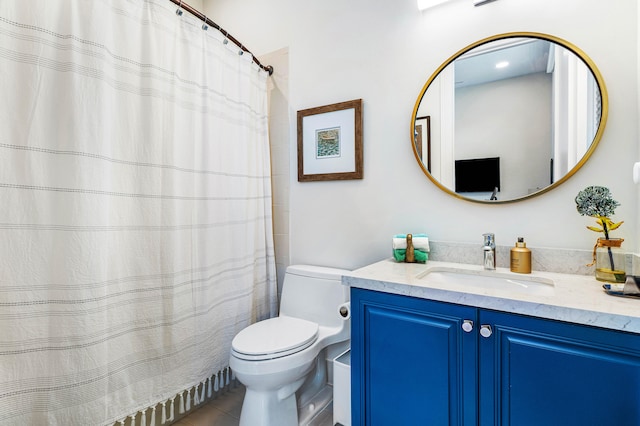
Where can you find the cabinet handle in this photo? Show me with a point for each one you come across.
(467, 325)
(485, 330)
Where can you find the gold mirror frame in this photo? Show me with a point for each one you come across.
(603, 118)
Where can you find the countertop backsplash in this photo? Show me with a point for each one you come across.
(564, 261)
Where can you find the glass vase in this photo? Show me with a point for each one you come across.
(609, 260)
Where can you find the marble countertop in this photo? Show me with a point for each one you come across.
(573, 298)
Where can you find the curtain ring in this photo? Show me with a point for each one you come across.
(226, 40)
(204, 24)
(178, 10)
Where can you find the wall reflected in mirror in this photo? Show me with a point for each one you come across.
(529, 107)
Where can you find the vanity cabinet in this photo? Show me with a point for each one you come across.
(407, 361)
(423, 362)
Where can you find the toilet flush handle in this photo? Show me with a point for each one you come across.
(344, 310)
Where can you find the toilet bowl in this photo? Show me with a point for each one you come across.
(281, 360)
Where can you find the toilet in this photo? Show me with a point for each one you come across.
(282, 360)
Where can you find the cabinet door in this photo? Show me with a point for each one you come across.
(542, 372)
(412, 364)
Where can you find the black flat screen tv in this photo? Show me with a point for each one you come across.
(477, 174)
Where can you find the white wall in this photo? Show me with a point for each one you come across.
(197, 4)
(280, 165)
(383, 52)
(637, 140)
(510, 119)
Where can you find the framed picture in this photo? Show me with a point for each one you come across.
(330, 142)
(422, 139)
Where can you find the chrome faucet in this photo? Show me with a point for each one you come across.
(489, 251)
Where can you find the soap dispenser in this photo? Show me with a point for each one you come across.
(521, 257)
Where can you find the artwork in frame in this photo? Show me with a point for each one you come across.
(422, 138)
(330, 142)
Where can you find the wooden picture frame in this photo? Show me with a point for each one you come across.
(422, 138)
(330, 142)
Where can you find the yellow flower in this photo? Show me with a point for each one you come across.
(606, 225)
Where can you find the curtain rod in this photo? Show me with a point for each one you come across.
(202, 17)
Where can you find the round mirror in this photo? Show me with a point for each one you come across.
(509, 117)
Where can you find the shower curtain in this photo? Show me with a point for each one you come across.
(135, 210)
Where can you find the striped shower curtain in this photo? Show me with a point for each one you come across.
(135, 210)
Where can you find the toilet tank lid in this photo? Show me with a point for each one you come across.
(317, 271)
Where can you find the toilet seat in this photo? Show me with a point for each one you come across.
(274, 338)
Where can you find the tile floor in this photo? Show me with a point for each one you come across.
(225, 411)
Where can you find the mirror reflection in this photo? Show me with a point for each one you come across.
(509, 117)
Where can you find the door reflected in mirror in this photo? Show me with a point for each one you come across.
(509, 117)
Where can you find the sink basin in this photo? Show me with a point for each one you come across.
(530, 284)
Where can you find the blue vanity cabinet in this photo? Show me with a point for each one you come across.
(541, 372)
(411, 361)
(422, 362)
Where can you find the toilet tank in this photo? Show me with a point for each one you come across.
(314, 293)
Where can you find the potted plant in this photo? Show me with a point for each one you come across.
(597, 202)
